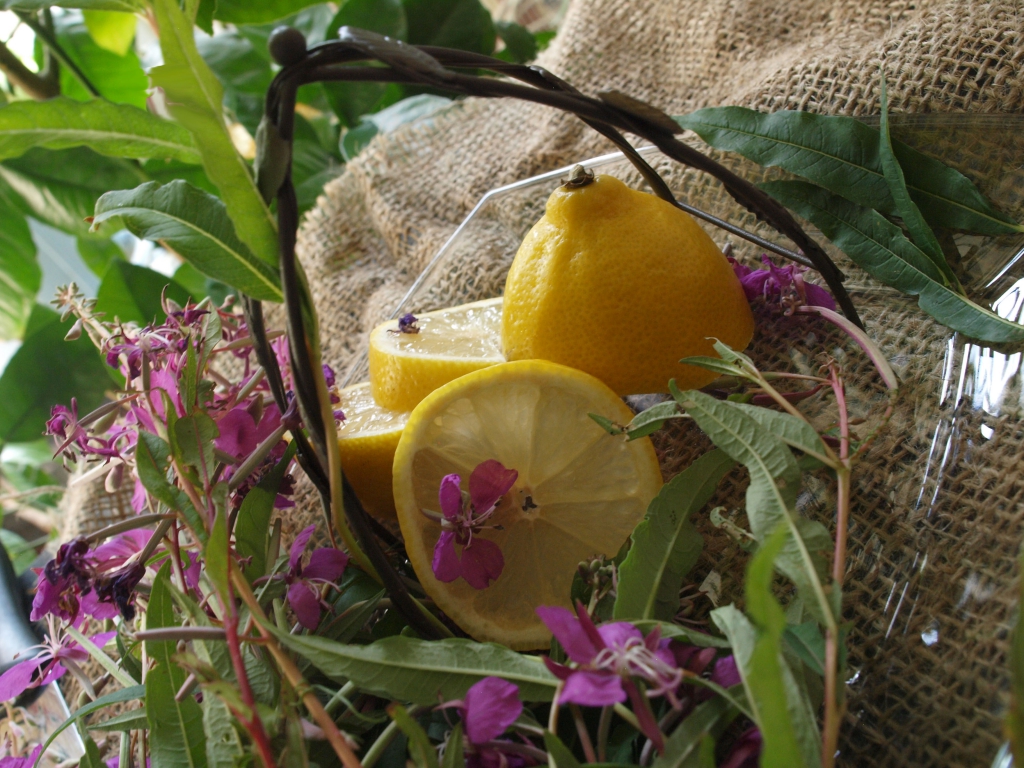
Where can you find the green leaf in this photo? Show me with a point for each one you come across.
(454, 756)
(152, 455)
(119, 79)
(217, 554)
(665, 545)
(520, 44)
(200, 286)
(841, 154)
(117, 697)
(20, 275)
(354, 140)
(110, 129)
(462, 24)
(61, 187)
(126, 6)
(559, 755)
(806, 642)
(880, 248)
(92, 757)
(252, 524)
(651, 420)
(194, 436)
(195, 98)
(223, 745)
(920, 232)
(20, 552)
(98, 254)
(176, 734)
(196, 226)
(110, 30)
(676, 632)
(420, 749)
(419, 671)
(133, 720)
(683, 747)
(794, 432)
(246, 12)
(29, 386)
(350, 101)
(721, 367)
(244, 72)
(132, 293)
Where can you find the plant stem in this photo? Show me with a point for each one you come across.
(581, 729)
(604, 727)
(139, 521)
(553, 714)
(377, 748)
(57, 50)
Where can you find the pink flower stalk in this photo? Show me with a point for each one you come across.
(325, 567)
(481, 561)
(490, 707)
(783, 285)
(57, 650)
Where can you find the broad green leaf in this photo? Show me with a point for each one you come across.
(117, 130)
(454, 756)
(133, 720)
(117, 697)
(176, 734)
(559, 755)
(244, 72)
(45, 371)
(126, 6)
(132, 293)
(463, 24)
(119, 79)
(252, 524)
(61, 187)
(195, 98)
(247, 12)
(520, 44)
(354, 140)
(110, 30)
(20, 275)
(419, 671)
(880, 248)
(420, 749)
(314, 162)
(794, 432)
(200, 286)
(166, 171)
(682, 748)
(196, 226)
(98, 254)
(920, 232)
(405, 111)
(841, 154)
(771, 495)
(350, 101)
(223, 745)
(665, 545)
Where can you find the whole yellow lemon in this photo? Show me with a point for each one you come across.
(621, 284)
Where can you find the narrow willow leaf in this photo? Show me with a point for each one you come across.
(410, 669)
(133, 720)
(676, 632)
(97, 654)
(117, 130)
(117, 697)
(841, 154)
(196, 226)
(217, 555)
(721, 367)
(176, 734)
(195, 97)
(132, 293)
(683, 747)
(223, 745)
(651, 420)
(920, 232)
(92, 757)
(454, 756)
(794, 432)
(880, 248)
(807, 644)
(420, 749)
(252, 524)
(771, 495)
(665, 545)
(559, 755)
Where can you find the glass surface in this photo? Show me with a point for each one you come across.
(939, 504)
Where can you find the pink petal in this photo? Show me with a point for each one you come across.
(299, 546)
(482, 563)
(488, 483)
(818, 296)
(592, 689)
(192, 573)
(168, 382)
(726, 672)
(90, 604)
(618, 634)
(114, 552)
(450, 496)
(139, 497)
(22, 762)
(491, 706)
(55, 673)
(327, 564)
(446, 563)
(46, 598)
(237, 433)
(270, 421)
(305, 601)
(17, 678)
(566, 629)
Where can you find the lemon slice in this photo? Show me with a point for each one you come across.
(579, 493)
(366, 442)
(406, 367)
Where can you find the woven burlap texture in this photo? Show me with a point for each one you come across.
(937, 508)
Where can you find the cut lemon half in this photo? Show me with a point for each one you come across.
(366, 442)
(406, 367)
(579, 493)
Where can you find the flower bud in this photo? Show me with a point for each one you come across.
(114, 478)
(75, 332)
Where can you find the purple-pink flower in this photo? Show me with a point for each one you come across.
(782, 285)
(481, 561)
(58, 652)
(325, 567)
(489, 708)
(63, 425)
(22, 762)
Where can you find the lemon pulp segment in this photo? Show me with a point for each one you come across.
(579, 493)
(406, 367)
(366, 443)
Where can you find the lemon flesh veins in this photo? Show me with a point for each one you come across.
(366, 443)
(580, 491)
(406, 367)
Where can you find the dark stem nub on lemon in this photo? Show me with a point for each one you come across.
(578, 177)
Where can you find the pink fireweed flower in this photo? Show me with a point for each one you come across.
(63, 425)
(58, 652)
(490, 707)
(20, 762)
(783, 285)
(325, 567)
(481, 561)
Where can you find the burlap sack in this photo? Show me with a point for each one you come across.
(938, 503)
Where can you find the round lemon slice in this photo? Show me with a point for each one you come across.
(367, 440)
(406, 367)
(580, 491)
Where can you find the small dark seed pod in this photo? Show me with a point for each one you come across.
(287, 46)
